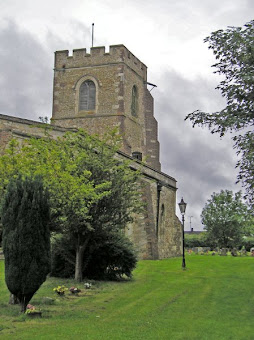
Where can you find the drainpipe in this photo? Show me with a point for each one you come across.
(159, 187)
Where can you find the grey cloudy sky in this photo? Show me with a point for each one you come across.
(167, 35)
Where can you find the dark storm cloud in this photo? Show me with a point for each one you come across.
(26, 74)
(26, 79)
(202, 163)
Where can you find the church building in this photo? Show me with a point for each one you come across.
(97, 91)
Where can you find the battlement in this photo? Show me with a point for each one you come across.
(97, 56)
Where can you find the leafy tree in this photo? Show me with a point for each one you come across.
(26, 237)
(248, 242)
(234, 50)
(226, 219)
(196, 240)
(91, 191)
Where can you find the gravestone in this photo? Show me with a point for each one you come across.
(223, 252)
(243, 252)
(234, 252)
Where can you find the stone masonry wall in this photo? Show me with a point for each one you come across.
(169, 228)
(152, 240)
(114, 74)
(97, 56)
(157, 233)
(151, 131)
(5, 136)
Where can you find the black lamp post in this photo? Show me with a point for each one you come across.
(182, 207)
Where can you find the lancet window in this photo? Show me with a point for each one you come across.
(87, 94)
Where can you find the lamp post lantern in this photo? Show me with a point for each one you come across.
(182, 207)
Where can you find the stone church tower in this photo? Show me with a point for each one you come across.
(99, 91)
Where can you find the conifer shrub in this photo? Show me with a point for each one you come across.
(114, 259)
(1, 233)
(108, 258)
(62, 257)
(26, 237)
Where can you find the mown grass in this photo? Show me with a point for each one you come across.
(212, 299)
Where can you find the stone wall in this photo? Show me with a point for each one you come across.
(114, 75)
(13, 127)
(156, 233)
(97, 56)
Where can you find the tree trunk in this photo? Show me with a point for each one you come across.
(13, 299)
(78, 264)
(24, 300)
(23, 305)
(79, 259)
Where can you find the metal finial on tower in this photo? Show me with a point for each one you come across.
(92, 32)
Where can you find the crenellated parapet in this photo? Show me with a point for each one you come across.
(117, 54)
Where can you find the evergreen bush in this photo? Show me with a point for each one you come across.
(62, 257)
(108, 258)
(26, 237)
(114, 258)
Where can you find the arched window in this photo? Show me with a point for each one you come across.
(134, 101)
(87, 93)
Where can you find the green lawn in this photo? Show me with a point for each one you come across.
(212, 299)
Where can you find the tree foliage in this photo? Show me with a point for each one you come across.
(26, 237)
(196, 240)
(227, 219)
(91, 191)
(234, 50)
(109, 256)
